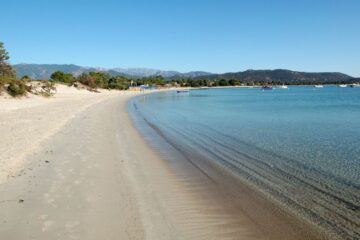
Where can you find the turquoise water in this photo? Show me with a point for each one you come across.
(300, 146)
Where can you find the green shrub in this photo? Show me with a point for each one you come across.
(4, 80)
(119, 83)
(94, 79)
(2, 83)
(88, 80)
(17, 88)
(62, 77)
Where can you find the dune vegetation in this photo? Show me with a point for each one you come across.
(20, 87)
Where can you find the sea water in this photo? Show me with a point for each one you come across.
(300, 146)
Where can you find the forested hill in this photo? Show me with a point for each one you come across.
(280, 76)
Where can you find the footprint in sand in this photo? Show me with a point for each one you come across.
(46, 225)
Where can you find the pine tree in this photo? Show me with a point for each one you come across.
(7, 73)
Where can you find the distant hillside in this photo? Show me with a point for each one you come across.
(280, 75)
(145, 72)
(44, 71)
(193, 74)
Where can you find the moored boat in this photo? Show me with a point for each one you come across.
(318, 86)
(183, 91)
(355, 85)
(267, 88)
(343, 85)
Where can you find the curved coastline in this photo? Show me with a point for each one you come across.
(105, 174)
(239, 201)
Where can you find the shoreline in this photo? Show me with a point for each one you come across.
(95, 176)
(239, 200)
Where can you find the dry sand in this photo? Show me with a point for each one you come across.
(60, 168)
(74, 167)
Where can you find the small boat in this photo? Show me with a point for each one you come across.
(283, 87)
(318, 86)
(267, 88)
(355, 85)
(342, 85)
(183, 91)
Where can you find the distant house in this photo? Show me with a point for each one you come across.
(135, 88)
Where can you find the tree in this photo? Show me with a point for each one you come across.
(223, 82)
(7, 73)
(59, 76)
(119, 82)
(4, 55)
(234, 82)
(94, 79)
(26, 78)
(101, 79)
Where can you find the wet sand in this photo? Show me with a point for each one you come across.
(93, 176)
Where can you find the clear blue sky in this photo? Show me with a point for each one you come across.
(209, 35)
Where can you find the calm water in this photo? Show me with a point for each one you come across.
(300, 146)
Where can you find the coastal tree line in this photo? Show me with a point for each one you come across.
(104, 80)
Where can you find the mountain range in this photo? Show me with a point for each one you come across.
(44, 71)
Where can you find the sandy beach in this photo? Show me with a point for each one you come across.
(74, 167)
(49, 188)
